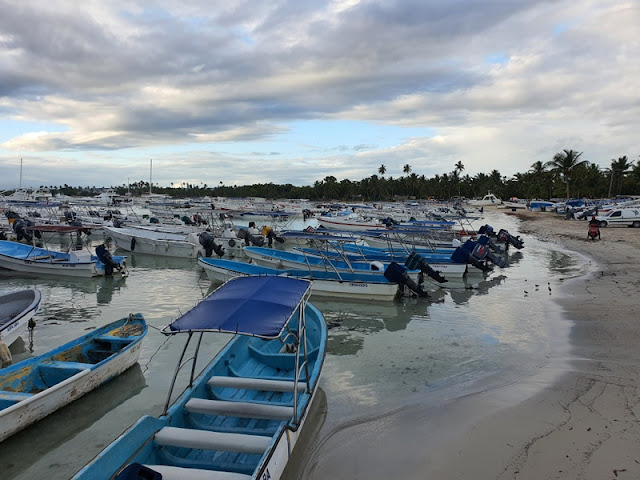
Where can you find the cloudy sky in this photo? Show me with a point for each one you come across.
(290, 91)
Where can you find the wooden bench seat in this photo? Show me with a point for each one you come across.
(248, 383)
(180, 473)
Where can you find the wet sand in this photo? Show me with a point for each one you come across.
(586, 424)
(577, 418)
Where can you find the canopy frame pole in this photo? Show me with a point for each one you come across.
(175, 373)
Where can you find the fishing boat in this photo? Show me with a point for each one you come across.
(156, 242)
(355, 286)
(30, 259)
(488, 200)
(241, 416)
(284, 259)
(33, 388)
(16, 309)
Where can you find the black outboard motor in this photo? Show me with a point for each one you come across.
(463, 254)
(249, 239)
(105, 257)
(417, 262)
(20, 227)
(397, 273)
(508, 239)
(306, 214)
(486, 230)
(482, 251)
(208, 242)
(187, 221)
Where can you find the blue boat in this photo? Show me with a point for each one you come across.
(33, 388)
(354, 286)
(30, 259)
(242, 415)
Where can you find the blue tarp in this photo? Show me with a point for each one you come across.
(259, 306)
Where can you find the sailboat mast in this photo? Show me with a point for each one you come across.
(20, 174)
(150, 174)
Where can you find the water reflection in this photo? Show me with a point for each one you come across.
(27, 446)
(107, 287)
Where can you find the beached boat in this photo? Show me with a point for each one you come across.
(488, 200)
(30, 259)
(355, 286)
(33, 388)
(241, 417)
(16, 309)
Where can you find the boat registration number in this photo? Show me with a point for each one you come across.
(266, 475)
(358, 284)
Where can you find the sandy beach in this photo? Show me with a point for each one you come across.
(586, 424)
(576, 417)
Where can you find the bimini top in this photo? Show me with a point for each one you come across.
(258, 306)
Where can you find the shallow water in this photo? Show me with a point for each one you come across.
(382, 357)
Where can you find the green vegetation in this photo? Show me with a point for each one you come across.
(564, 176)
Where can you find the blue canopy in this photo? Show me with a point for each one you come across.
(259, 306)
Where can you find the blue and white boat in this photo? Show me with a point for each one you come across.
(33, 388)
(241, 417)
(354, 286)
(16, 309)
(23, 258)
(297, 260)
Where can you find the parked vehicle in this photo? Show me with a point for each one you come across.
(629, 217)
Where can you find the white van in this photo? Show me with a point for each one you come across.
(621, 216)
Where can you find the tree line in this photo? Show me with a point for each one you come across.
(566, 175)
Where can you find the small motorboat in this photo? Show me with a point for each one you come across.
(16, 309)
(33, 388)
(241, 416)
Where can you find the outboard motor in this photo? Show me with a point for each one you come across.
(105, 257)
(508, 239)
(482, 251)
(20, 228)
(249, 239)
(208, 242)
(463, 254)
(417, 262)
(187, 221)
(486, 230)
(396, 273)
(306, 214)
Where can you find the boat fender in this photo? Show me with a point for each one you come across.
(133, 243)
(232, 243)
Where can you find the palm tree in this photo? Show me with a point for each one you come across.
(458, 167)
(382, 170)
(564, 165)
(621, 167)
(407, 169)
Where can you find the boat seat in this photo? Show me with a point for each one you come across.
(116, 340)
(14, 396)
(248, 383)
(179, 473)
(39, 257)
(66, 365)
(239, 409)
(205, 440)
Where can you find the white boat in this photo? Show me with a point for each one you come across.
(349, 223)
(33, 388)
(16, 309)
(146, 240)
(28, 259)
(488, 200)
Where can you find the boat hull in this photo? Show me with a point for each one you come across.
(161, 244)
(70, 269)
(16, 309)
(87, 377)
(353, 290)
